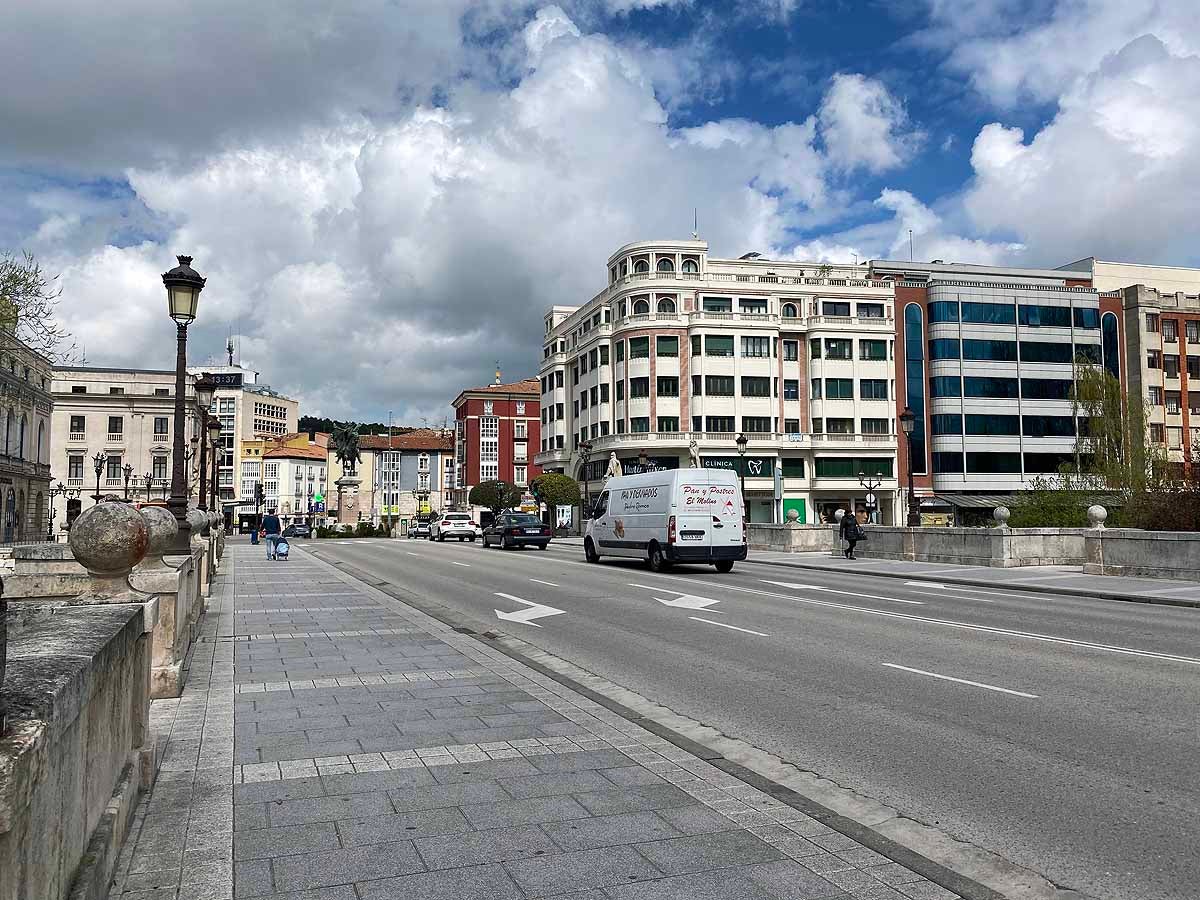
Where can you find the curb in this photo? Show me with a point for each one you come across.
(981, 583)
(962, 885)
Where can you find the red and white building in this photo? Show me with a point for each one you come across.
(497, 432)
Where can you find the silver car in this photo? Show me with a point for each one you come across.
(454, 525)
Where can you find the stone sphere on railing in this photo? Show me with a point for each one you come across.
(163, 529)
(1001, 514)
(198, 521)
(793, 515)
(1097, 515)
(109, 539)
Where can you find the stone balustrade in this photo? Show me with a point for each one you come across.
(76, 751)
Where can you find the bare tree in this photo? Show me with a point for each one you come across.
(29, 301)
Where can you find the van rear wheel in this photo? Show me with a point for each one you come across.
(724, 565)
(658, 562)
(589, 551)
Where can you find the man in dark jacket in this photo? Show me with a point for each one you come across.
(272, 528)
(850, 532)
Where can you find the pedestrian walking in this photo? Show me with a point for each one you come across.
(851, 532)
(272, 529)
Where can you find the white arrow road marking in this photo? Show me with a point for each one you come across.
(817, 587)
(526, 616)
(978, 684)
(723, 625)
(547, 583)
(683, 601)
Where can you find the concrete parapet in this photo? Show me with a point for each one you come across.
(996, 547)
(792, 537)
(73, 761)
(1151, 554)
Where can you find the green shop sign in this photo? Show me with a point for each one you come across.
(750, 466)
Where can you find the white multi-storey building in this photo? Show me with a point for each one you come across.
(680, 347)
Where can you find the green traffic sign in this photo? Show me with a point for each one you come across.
(318, 498)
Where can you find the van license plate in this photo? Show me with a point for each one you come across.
(533, 531)
(691, 535)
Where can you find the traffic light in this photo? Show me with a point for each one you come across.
(259, 497)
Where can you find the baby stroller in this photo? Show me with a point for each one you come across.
(281, 549)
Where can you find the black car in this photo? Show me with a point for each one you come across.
(297, 530)
(516, 530)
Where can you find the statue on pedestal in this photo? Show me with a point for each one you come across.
(345, 442)
(693, 455)
(614, 467)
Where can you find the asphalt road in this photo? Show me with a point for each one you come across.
(1069, 743)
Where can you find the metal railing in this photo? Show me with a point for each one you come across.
(116, 437)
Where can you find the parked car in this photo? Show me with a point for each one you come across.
(298, 530)
(454, 525)
(677, 515)
(418, 529)
(516, 530)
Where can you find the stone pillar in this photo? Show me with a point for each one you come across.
(200, 548)
(347, 488)
(1093, 541)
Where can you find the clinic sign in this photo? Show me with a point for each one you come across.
(749, 466)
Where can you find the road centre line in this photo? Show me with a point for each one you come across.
(978, 684)
(828, 590)
(723, 625)
(539, 581)
(463, 565)
(945, 588)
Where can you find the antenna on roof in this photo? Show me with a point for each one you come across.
(229, 348)
(696, 224)
(497, 371)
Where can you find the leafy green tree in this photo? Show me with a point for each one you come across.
(1051, 504)
(495, 495)
(29, 301)
(555, 490)
(1111, 444)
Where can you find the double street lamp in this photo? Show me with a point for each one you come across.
(742, 442)
(59, 490)
(908, 422)
(98, 462)
(204, 393)
(214, 434)
(183, 284)
(869, 484)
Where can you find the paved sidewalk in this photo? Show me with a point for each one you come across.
(1044, 579)
(378, 754)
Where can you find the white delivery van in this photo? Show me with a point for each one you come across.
(669, 516)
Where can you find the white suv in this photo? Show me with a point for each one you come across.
(454, 525)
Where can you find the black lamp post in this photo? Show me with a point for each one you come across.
(59, 490)
(183, 284)
(98, 462)
(214, 433)
(908, 421)
(147, 480)
(586, 449)
(204, 394)
(741, 440)
(869, 483)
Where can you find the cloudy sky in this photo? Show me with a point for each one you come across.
(386, 195)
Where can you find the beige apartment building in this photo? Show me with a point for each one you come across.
(124, 417)
(26, 406)
(681, 353)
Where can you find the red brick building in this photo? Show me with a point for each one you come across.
(497, 433)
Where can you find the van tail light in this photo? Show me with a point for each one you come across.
(743, 531)
(472, 524)
(671, 530)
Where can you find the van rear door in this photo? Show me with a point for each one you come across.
(726, 511)
(693, 515)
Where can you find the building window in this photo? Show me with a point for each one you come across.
(666, 346)
(872, 349)
(639, 387)
(789, 310)
(116, 390)
(756, 424)
(641, 306)
(876, 426)
(839, 388)
(839, 348)
(690, 266)
(1191, 329)
(914, 378)
(639, 348)
(870, 310)
(519, 475)
(668, 423)
(114, 472)
(520, 429)
(520, 407)
(1111, 342)
(755, 306)
(489, 471)
(873, 389)
(1152, 322)
(74, 468)
(718, 345)
(756, 346)
(1170, 363)
(161, 425)
(717, 304)
(791, 389)
(791, 351)
(835, 308)
(78, 427)
(666, 306)
(668, 386)
(814, 348)
(639, 424)
(1153, 359)
(815, 388)
(116, 425)
(791, 426)
(1155, 396)
(718, 385)
(695, 345)
(604, 392)
(620, 391)
(719, 424)
(756, 387)
(604, 355)
(666, 265)
(79, 389)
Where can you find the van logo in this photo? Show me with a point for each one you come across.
(619, 528)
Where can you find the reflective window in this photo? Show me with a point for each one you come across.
(1112, 344)
(1045, 316)
(1046, 388)
(1005, 351)
(943, 311)
(990, 388)
(942, 348)
(1048, 426)
(914, 378)
(1086, 317)
(945, 386)
(945, 423)
(1046, 352)
(992, 425)
(988, 313)
(994, 463)
(947, 463)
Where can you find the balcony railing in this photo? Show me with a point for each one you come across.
(77, 436)
(158, 438)
(74, 482)
(116, 437)
(114, 482)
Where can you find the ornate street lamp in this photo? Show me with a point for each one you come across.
(59, 490)
(183, 284)
(128, 470)
(869, 483)
(585, 448)
(742, 441)
(908, 421)
(147, 480)
(98, 462)
(204, 387)
(214, 432)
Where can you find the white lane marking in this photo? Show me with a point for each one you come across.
(547, 583)
(410, 553)
(526, 616)
(683, 601)
(968, 593)
(948, 623)
(731, 627)
(464, 565)
(978, 684)
(817, 587)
